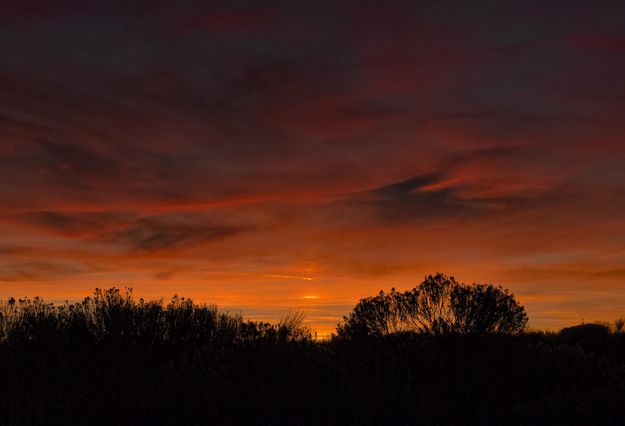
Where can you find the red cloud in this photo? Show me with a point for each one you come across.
(599, 41)
(224, 22)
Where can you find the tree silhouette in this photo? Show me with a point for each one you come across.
(438, 305)
(428, 308)
(486, 309)
(377, 315)
(112, 359)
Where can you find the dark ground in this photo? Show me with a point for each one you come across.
(118, 362)
(524, 380)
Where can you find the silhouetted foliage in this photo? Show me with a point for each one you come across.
(486, 309)
(110, 359)
(439, 305)
(114, 315)
(583, 330)
(591, 337)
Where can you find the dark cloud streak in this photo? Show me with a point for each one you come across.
(318, 141)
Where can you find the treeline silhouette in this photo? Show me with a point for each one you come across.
(443, 353)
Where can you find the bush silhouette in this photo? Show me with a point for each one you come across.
(112, 359)
(439, 305)
(591, 336)
(114, 315)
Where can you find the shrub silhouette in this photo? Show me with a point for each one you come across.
(439, 305)
(114, 315)
(591, 336)
(112, 359)
(583, 330)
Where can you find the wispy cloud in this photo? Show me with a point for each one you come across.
(357, 144)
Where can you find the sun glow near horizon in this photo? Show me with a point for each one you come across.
(321, 155)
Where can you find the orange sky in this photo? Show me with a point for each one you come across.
(304, 156)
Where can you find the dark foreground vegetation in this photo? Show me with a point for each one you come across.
(441, 354)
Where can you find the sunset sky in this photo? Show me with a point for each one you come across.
(277, 155)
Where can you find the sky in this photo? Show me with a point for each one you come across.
(277, 155)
